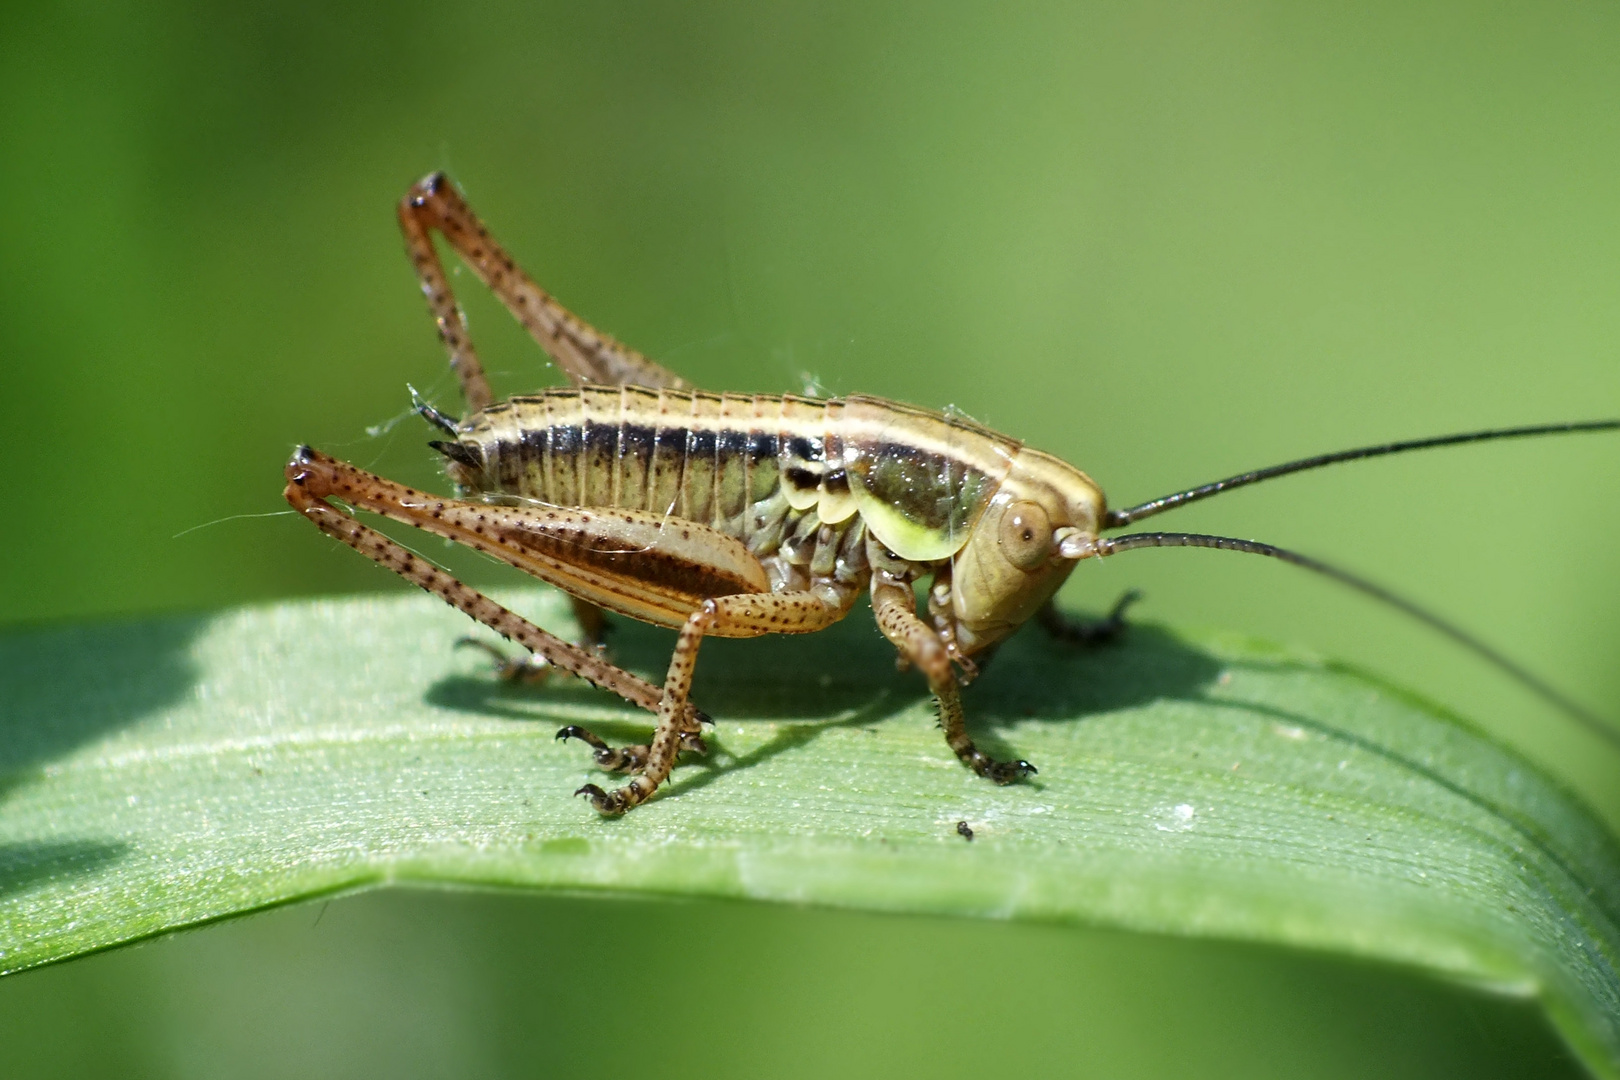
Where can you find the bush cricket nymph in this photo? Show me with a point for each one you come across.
(739, 515)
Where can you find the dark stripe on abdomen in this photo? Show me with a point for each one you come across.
(709, 458)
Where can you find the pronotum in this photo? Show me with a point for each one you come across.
(738, 515)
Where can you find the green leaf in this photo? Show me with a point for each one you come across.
(156, 775)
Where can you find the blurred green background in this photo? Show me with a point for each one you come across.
(1165, 241)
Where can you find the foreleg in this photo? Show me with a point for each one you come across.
(895, 609)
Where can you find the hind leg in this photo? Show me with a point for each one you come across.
(747, 615)
(583, 352)
(534, 668)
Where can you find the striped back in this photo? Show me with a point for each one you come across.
(737, 462)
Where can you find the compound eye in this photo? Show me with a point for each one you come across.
(1026, 535)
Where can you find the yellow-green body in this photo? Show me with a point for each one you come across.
(816, 490)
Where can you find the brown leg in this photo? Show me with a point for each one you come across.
(587, 665)
(731, 616)
(532, 668)
(586, 354)
(895, 610)
(535, 668)
(645, 565)
(625, 759)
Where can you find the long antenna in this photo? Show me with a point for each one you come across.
(1117, 518)
(1111, 545)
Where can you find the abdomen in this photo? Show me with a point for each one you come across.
(749, 465)
(711, 458)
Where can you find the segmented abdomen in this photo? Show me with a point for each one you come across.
(748, 465)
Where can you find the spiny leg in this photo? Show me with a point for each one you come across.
(533, 668)
(1087, 631)
(895, 609)
(628, 559)
(307, 500)
(732, 616)
(650, 566)
(586, 354)
(624, 759)
(441, 301)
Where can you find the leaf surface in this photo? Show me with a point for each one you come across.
(161, 774)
